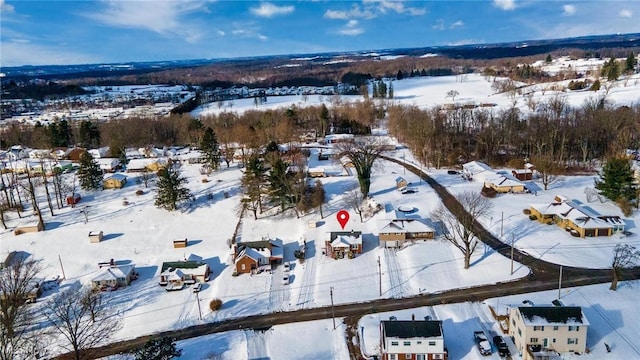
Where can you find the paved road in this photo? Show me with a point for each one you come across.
(544, 277)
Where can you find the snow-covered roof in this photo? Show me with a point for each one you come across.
(114, 273)
(578, 214)
(552, 315)
(403, 225)
(475, 167)
(345, 239)
(117, 177)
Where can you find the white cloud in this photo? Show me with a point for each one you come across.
(167, 18)
(6, 8)
(439, 25)
(398, 6)
(351, 28)
(505, 4)
(456, 24)
(354, 13)
(373, 8)
(22, 52)
(465, 42)
(625, 13)
(269, 10)
(247, 31)
(568, 10)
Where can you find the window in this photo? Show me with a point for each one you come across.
(407, 343)
(432, 343)
(394, 343)
(554, 340)
(519, 332)
(408, 356)
(392, 356)
(533, 340)
(420, 357)
(419, 342)
(513, 322)
(555, 328)
(577, 328)
(538, 328)
(437, 356)
(243, 267)
(571, 341)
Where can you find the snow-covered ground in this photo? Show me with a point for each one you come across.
(141, 234)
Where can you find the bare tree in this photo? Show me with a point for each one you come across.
(85, 319)
(548, 169)
(624, 256)
(354, 200)
(452, 94)
(459, 228)
(17, 280)
(363, 155)
(30, 188)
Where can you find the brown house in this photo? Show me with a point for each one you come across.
(395, 232)
(343, 243)
(75, 154)
(257, 256)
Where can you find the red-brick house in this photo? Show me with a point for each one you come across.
(343, 243)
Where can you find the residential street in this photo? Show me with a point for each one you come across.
(544, 277)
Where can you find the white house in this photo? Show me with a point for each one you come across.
(412, 339)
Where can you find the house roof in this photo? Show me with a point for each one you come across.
(114, 273)
(254, 254)
(117, 177)
(345, 238)
(543, 315)
(476, 167)
(578, 214)
(403, 225)
(181, 265)
(407, 329)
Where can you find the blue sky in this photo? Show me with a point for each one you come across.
(106, 31)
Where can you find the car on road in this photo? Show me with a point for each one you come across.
(482, 343)
(286, 267)
(196, 287)
(501, 345)
(285, 279)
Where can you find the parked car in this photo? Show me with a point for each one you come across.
(196, 287)
(285, 279)
(482, 343)
(408, 191)
(501, 345)
(286, 267)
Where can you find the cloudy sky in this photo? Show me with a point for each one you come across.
(72, 32)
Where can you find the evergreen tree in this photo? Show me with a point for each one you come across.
(60, 134)
(210, 148)
(390, 89)
(616, 180)
(88, 134)
(611, 69)
(631, 62)
(158, 349)
(374, 90)
(170, 189)
(548, 59)
(280, 184)
(399, 75)
(89, 173)
(382, 89)
(252, 183)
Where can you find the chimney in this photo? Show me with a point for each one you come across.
(413, 317)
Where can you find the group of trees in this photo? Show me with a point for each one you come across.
(77, 318)
(284, 185)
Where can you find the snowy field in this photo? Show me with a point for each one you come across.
(141, 234)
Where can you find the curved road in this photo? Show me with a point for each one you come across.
(544, 277)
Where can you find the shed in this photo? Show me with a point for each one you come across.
(180, 243)
(34, 225)
(401, 183)
(115, 181)
(73, 199)
(95, 236)
(312, 224)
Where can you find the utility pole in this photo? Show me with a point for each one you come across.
(380, 276)
(61, 267)
(333, 315)
(199, 310)
(512, 240)
(502, 225)
(560, 282)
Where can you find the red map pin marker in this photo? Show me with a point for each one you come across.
(343, 218)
